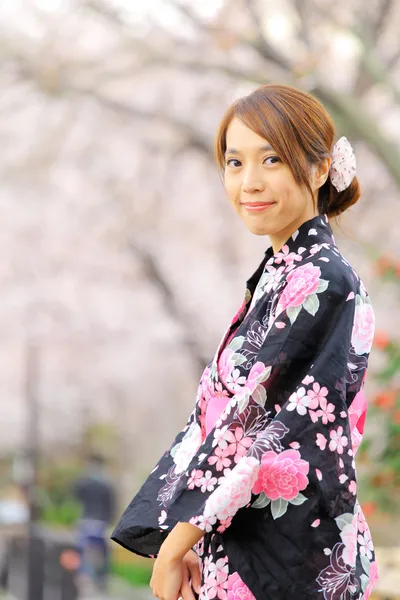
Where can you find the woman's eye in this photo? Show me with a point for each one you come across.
(273, 159)
(231, 161)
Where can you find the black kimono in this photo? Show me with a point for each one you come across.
(265, 465)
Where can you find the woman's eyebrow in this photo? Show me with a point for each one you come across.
(264, 148)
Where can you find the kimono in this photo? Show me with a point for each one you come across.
(265, 464)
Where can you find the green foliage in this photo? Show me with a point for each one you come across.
(66, 513)
(136, 575)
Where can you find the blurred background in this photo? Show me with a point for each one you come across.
(122, 261)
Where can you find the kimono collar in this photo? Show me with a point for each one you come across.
(315, 231)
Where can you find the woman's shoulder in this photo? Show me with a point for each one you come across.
(327, 263)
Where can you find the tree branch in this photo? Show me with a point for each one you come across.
(166, 292)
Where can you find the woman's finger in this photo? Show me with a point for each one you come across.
(187, 592)
(195, 577)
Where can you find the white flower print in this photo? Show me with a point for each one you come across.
(220, 436)
(183, 452)
(299, 401)
(235, 381)
(366, 545)
(208, 482)
(338, 440)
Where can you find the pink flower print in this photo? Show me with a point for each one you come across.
(308, 379)
(288, 257)
(204, 523)
(373, 578)
(361, 522)
(208, 482)
(220, 459)
(256, 373)
(301, 283)
(338, 440)
(282, 475)
(318, 474)
(237, 590)
(326, 411)
(195, 479)
(316, 523)
(321, 441)
(314, 415)
(353, 487)
(234, 489)
(224, 524)
(299, 401)
(217, 580)
(238, 444)
(316, 395)
(363, 328)
(225, 364)
(349, 539)
(366, 545)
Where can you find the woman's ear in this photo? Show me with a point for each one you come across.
(320, 173)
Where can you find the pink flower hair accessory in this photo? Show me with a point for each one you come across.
(343, 167)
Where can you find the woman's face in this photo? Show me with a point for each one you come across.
(262, 188)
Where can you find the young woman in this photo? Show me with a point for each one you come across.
(257, 497)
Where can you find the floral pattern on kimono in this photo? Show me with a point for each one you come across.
(271, 477)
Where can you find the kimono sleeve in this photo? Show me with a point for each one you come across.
(284, 435)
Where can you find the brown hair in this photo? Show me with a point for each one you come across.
(300, 130)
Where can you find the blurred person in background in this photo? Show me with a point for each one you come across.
(257, 497)
(96, 494)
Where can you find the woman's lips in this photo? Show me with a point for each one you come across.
(257, 206)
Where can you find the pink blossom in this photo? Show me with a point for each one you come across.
(237, 590)
(225, 364)
(301, 283)
(205, 523)
(224, 524)
(338, 440)
(321, 441)
(234, 489)
(220, 458)
(363, 328)
(317, 395)
(316, 523)
(238, 444)
(361, 522)
(282, 475)
(353, 487)
(326, 411)
(216, 580)
(373, 578)
(299, 401)
(318, 474)
(256, 373)
(195, 479)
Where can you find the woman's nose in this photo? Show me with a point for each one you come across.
(252, 182)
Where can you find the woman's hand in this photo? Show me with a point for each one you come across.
(167, 578)
(173, 579)
(191, 576)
